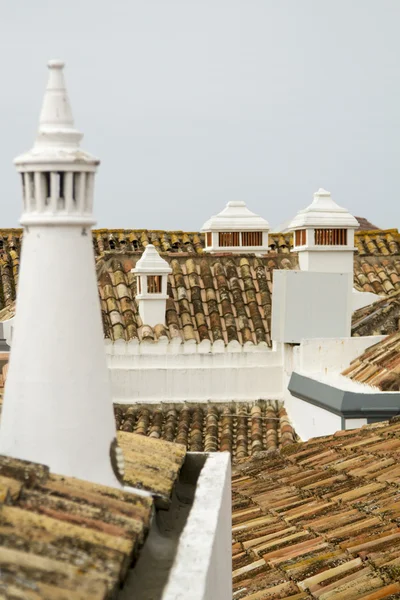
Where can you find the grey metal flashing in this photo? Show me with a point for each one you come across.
(344, 403)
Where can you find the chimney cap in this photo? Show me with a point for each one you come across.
(236, 217)
(152, 263)
(56, 63)
(323, 212)
(57, 140)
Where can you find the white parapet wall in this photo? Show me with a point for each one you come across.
(170, 372)
(188, 552)
(202, 569)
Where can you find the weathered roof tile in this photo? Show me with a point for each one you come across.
(240, 428)
(327, 527)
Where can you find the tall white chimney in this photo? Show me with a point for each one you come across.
(57, 405)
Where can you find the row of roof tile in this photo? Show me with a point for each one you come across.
(379, 365)
(65, 538)
(320, 519)
(242, 429)
(211, 297)
(380, 318)
(370, 242)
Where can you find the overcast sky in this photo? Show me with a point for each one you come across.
(192, 103)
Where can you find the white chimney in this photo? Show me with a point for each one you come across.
(236, 229)
(57, 405)
(323, 236)
(316, 302)
(151, 275)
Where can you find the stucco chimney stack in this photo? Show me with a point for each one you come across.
(57, 405)
(323, 236)
(236, 230)
(152, 274)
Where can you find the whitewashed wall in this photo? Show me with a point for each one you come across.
(331, 355)
(308, 420)
(354, 423)
(311, 421)
(361, 299)
(319, 356)
(156, 372)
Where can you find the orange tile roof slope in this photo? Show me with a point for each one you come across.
(7, 312)
(152, 465)
(211, 297)
(379, 365)
(187, 242)
(376, 269)
(320, 520)
(65, 538)
(240, 428)
(380, 318)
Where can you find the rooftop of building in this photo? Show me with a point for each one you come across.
(242, 429)
(212, 297)
(320, 519)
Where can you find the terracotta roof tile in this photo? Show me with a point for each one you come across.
(243, 429)
(379, 318)
(65, 538)
(151, 464)
(323, 517)
(212, 297)
(379, 365)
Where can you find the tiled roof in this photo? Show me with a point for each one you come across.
(240, 428)
(379, 275)
(378, 242)
(379, 365)
(151, 464)
(380, 318)
(320, 520)
(212, 297)
(63, 538)
(7, 312)
(105, 240)
(365, 225)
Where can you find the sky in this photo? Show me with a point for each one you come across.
(192, 103)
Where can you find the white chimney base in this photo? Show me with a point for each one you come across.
(57, 407)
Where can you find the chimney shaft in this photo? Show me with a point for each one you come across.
(57, 405)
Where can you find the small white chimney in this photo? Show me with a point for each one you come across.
(323, 236)
(236, 229)
(152, 274)
(57, 406)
